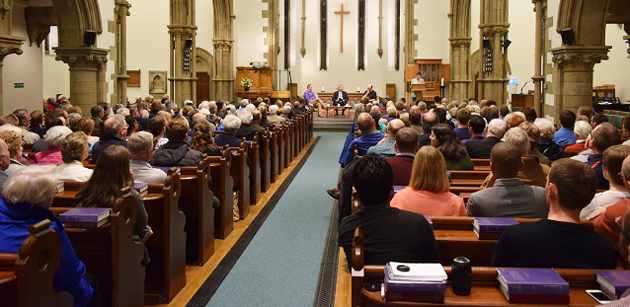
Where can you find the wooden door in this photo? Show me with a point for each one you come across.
(203, 86)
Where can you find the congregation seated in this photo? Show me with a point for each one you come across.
(37, 120)
(202, 140)
(566, 136)
(56, 118)
(140, 147)
(462, 131)
(231, 123)
(24, 121)
(157, 127)
(176, 152)
(582, 129)
(612, 162)
(74, 149)
(506, 195)
(481, 148)
(546, 145)
(559, 241)
(428, 190)
(386, 147)
(376, 114)
(369, 137)
(114, 133)
(429, 120)
(112, 174)
(249, 125)
(390, 234)
(402, 163)
(454, 153)
(273, 117)
(533, 172)
(264, 122)
(14, 142)
(53, 138)
(86, 125)
(602, 137)
(26, 197)
(533, 133)
(476, 127)
(286, 113)
(415, 119)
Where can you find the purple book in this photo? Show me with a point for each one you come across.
(416, 286)
(92, 215)
(532, 281)
(493, 224)
(614, 283)
(140, 187)
(398, 188)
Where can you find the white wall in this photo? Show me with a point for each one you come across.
(249, 44)
(25, 68)
(522, 50)
(615, 69)
(205, 25)
(432, 30)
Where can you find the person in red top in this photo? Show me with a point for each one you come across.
(604, 221)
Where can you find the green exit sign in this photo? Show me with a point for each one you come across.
(19, 85)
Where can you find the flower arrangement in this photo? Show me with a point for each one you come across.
(246, 82)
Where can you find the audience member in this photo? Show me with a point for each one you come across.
(402, 163)
(546, 145)
(559, 241)
(476, 126)
(429, 120)
(98, 114)
(54, 136)
(428, 190)
(445, 139)
(157, 127)
(202, 140)
(74, 149)
(247, 129)
(140, 147)
(369, 137)
(37, 119)
(56, 118)
(533, 133)
(24, 122)
(530, 115)
(176, 152)
(385, 147)
(231, 123)
(604, 219)
(86, 125)
(565, 135)
(602, 137)
(114, 133)
(415, 119)
(389, 234)
(14, 143)
(462, 131)
(508, 196)
(481, 148)
(598, 119)
(4, 163)
(273, 116)
(27, 196)
(582, 129)
(533, 171)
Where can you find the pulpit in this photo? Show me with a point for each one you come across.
(262, 82)
(418, 90)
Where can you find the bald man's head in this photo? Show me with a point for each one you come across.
(366, 123)
(428, 121)
(393, 127)
(506, 160)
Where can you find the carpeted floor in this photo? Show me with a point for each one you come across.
(280, 267)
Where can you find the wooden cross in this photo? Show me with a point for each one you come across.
(342, 12)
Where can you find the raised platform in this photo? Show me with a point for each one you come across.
(332, 123)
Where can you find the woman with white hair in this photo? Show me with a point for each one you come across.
(546, 145)
(581, 129)
(273, 116)
(231, 124)
(74, 149)
(53, 138)
(26, 197)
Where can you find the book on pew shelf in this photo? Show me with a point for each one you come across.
(540, 286)
(416, 271)
(141, 187)
(490, 228)
(413, 290)
(398, 188)
(60, 187)
(85, 217)
(613, 283)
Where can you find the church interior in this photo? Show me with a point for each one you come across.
(277, 237)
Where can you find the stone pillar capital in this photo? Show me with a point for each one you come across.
(579, 57)
(627, 39)
(122, 8)
(460, 41)
(10, 45)
(82, 57)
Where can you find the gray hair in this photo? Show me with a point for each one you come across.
(582, 129)
(422, 105)
(231, 123)
(113, 124)
(273, 109)
(212, 107)
(139, 143)
(246, 117)
(518, 137)
(546, 128)
(32, 185)
(56, 134)
(204, 104)
(250, 108)
(230, 109)
(358, 108)
(73, 119)
(123, 112)
(244, 103)
(199, 117)
(497, 127)
(286, 110)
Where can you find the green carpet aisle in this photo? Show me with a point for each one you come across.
(280, 267)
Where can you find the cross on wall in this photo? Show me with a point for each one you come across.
(341, 13)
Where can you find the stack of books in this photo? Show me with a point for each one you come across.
(613, 283)
(141, 187)
(85, 217)
(490, 228)
(415, 282)
(533, 286)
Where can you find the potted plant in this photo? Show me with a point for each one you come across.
(246, 83)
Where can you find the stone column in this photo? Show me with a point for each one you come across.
(494, 27)
(120, 89)
(460, 50)
(410, 39)
(182, 27)
(273, 38)
(224, 74)
(538, 78)
(573, 75)
(87, 75)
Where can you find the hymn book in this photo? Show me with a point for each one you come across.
(613, 283)
(418, 282)
(85, 217)
(490, 228)
(533, 286)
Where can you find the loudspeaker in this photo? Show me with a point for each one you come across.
(486, 43)
(506, 43)
(89, 38)
(188, 43)
(568, 36)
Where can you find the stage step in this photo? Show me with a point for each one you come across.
(332, 123)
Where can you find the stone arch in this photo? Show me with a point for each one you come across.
(587, 18)
(74, 18)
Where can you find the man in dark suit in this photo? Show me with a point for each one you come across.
(508, 197)
(389, 234)
(340, 98)
(429, 120)
(402, 163)
(247, 129)
(481, 149)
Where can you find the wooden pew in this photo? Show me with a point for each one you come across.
(26, 278)
(253, 161)
(265, 161)
(287, 145)
(485, 290)
(481, 164)
(276, 158)
(196, 202)
(281, 143)
(112, 255)
(468, 178)
(222, 186)
(239, 170)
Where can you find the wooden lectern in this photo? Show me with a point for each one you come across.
(262, 79)
(418, 90)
